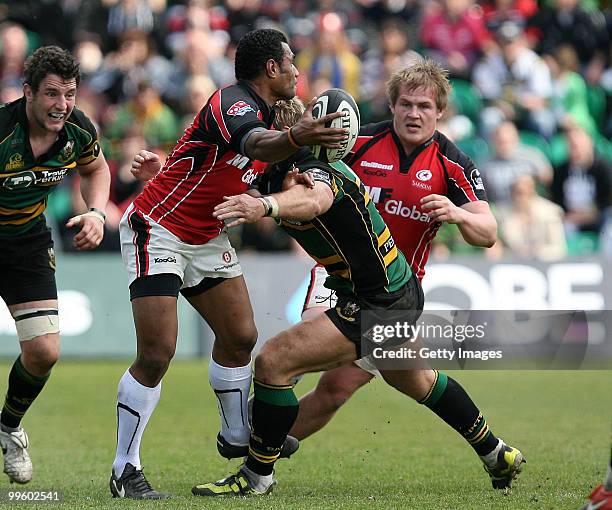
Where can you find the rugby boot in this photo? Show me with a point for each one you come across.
(132, 484)
(233, 485)
(600, 499)
(508, 466)
(17, 463)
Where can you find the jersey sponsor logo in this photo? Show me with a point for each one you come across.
(397, 208)
(239, 161)
(239, 108)
(47, 177)
(376, 165)
(476, 179)
(375, 173)
(249, 176)
(160, 260)
(15, 162)
(377, 194)
(20, 181)
(421, 185)
(66, 152)
(424, 175)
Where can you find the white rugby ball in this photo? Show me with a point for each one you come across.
(331, 101)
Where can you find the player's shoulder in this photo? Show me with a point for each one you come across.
(9, 117)
(376, 129)
(449, 151)
(82, 126)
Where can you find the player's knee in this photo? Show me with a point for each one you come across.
(154, 362)
(239, 339)
(40, 354)
(334, 396)
(271, 365)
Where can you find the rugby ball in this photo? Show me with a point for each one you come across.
(331, 101)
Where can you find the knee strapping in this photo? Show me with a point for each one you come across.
(35, 322)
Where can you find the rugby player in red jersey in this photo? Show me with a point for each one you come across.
(418, 179)
(171, 243)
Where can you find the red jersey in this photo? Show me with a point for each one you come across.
(206, 164)
(397, 181)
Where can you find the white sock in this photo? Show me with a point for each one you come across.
(260, 483)
(608, 480)
(232, 386)
(490, 459)
(135, 404)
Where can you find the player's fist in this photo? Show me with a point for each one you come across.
(145, 165)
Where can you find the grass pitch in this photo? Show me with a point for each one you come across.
(381, 451)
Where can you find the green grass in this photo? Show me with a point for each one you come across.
(381, 451)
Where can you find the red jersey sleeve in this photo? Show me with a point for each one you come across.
(462, 177)
(234, 113)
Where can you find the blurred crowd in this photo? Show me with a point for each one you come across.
(531, 101)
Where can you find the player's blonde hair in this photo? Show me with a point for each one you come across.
(424, 73)
(288, 111)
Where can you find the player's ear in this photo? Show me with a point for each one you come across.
(439, 115)
(271, 68)
(28, 92)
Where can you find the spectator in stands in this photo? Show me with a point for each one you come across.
(582, 185)
(455, 35)
(391, 52)
(570, 90)
(13, 52)
(198, 89)
(146, 109)
(199, 52)
(531, 226)
(496, 12)
(510, 159)
(330, 56)
(135, 57)
(516, 84)
(566, 22)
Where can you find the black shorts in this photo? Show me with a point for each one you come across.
(27, 266)
(346, 315)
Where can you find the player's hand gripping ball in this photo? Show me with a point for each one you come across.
(331, 101)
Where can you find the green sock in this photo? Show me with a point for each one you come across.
(449, 401)
(23, 388)
(275, 409)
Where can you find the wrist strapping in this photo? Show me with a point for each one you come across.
(271, 206)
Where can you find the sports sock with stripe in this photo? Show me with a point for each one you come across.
(232, 387)
(449, 401)
(135, 405)
(23, 388)
(275, 409)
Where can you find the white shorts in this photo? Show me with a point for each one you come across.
(148, 249)
(320, 296)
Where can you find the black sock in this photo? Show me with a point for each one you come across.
(275, 409)
(23, 388)
(449, 401)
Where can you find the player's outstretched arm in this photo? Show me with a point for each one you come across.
(297, 203)
(95, 186)
(272, 146)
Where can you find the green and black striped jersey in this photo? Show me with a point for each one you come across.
(351, 239)
(25, 181)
